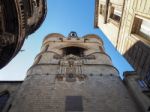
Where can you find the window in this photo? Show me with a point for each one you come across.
(22, 7)
(70, 77)
(34, 3)
(46, 48)
(141, 27)
(147, 79)
(102, 9)
(145, 84)
(115, 15)
(101, 49)
(38, 60)
(1, 26)
(38, 2)
(4, 96)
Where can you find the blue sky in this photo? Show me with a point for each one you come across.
(62, 17)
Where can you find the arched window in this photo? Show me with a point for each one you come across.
(38, 60)
(46, 48)
(4, 96)
(147, 79)
(101, 49)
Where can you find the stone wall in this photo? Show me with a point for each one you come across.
(44, 93)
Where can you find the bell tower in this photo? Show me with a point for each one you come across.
(72, 74)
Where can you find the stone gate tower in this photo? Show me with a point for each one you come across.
(72, 75)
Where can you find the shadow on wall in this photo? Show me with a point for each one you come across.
(138, 55)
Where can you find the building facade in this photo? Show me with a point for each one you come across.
(7, 91)
(108, 16)
(18, 19)
(72, 74)
(139, 89)
(126, 23)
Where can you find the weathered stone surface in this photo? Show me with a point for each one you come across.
(51, 84)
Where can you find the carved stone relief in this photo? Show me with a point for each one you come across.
(70, 69)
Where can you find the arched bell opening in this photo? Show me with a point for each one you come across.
(77, 51)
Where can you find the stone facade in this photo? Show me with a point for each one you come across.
(72, 74)
(128, 29)
(139, 90)
(131, 38)
(18, 19)
(8, 90)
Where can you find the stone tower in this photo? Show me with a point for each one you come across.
(72, 75)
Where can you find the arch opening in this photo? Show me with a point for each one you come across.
(77, 51)
(4, 96)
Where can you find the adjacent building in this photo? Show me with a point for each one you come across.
(126, 23)
(71, 74)
(18, 19)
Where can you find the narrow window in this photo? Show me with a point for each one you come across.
(38, 60)
(38, 2)
(46, 48)
(1, 26)
(148, 109)
(34, 3)
(22, 7)
(145, 29)
(102, 9)
(145, 84)
(147, 79)
(101, 49)
(141, 27)
(4, 96)
(115, 15)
